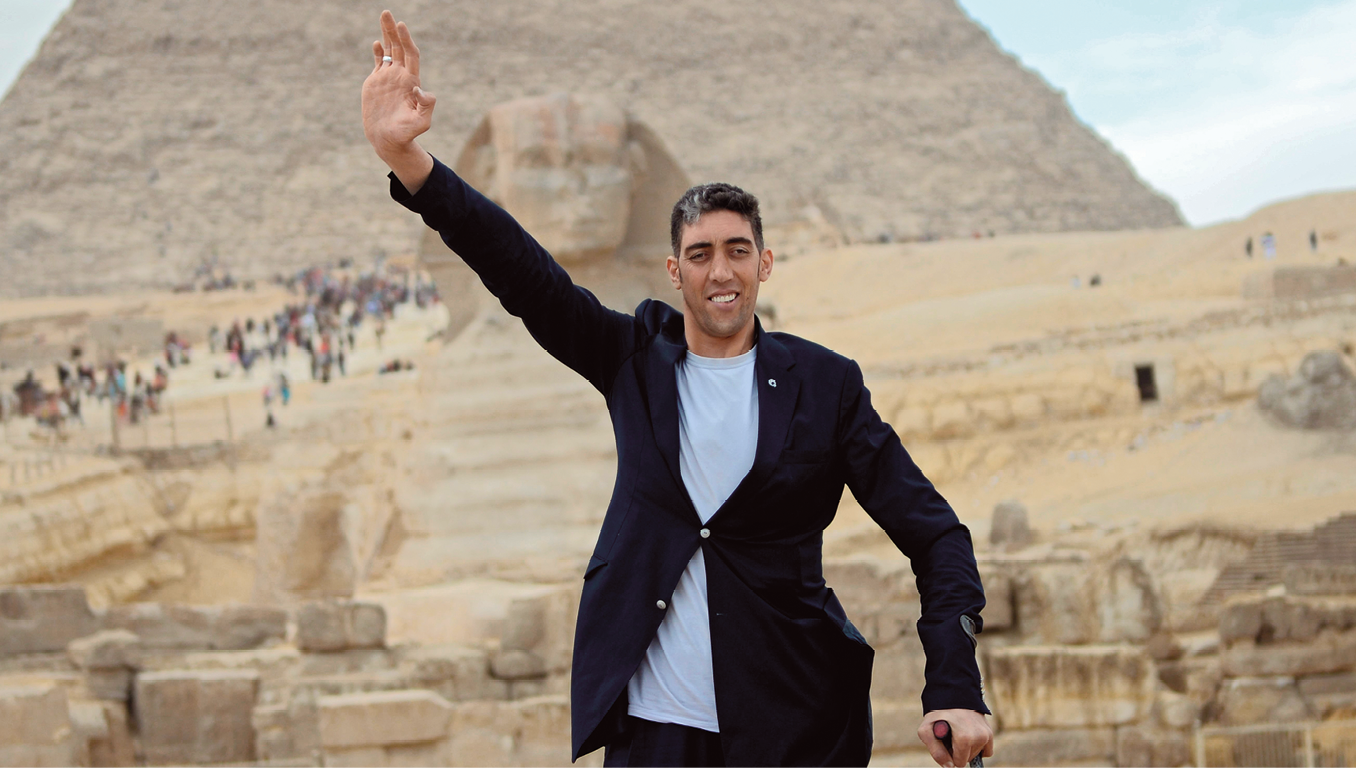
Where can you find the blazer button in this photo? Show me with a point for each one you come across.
(661, 605)
(706, 533)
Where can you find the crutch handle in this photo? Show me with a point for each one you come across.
(942, 730)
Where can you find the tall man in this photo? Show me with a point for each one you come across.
(706, 633)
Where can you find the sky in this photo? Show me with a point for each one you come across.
(1224, 105)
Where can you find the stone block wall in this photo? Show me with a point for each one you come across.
(1090, 686)
(37, 619)
(35, 726)
(187, 716)
(1085, 664)
(1291, 283)
(1081, 661)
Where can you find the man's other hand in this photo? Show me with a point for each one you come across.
(971, 736)
(396, 110)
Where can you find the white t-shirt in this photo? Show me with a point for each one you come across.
(717, 439)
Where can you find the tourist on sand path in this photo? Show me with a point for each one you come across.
(706, 634)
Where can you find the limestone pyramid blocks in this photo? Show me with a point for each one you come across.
(196, 716)
(387, 717)
(225, 627)
(340, 625)
(43, 618)
(951, 136)
(1092, 686)
(35, 726)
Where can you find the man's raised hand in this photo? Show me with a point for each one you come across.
(396, 110)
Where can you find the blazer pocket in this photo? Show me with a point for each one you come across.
(595, 564)
(805, 457)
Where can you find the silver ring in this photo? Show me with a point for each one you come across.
(385, 59)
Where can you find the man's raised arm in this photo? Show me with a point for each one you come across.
(568, 321)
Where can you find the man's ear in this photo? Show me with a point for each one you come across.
(675, 277)
(765, 265)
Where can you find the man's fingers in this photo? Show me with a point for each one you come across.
(963, 748)
(940, 755)
(387, 33)
(970, 743)
(407, 45)
(424, 99)
(934, 745)
(377, 52)
(389, 30)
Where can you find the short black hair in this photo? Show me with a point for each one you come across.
(714, 197)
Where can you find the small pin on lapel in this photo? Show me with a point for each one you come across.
(772, 382)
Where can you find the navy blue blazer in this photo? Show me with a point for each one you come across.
(792, 674)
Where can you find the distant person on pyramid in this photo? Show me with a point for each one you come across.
(706, 633)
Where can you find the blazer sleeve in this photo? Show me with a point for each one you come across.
(894, 492)
(566, 320)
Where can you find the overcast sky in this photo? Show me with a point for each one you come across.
(1225, 105)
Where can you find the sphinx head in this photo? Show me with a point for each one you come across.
(569, 168)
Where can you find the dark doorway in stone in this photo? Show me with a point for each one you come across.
(1148, 387)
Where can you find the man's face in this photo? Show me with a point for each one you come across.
(718, 269)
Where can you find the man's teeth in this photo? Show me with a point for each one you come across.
(725, 299)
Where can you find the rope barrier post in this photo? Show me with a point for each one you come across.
(113, 425)
(230, 429)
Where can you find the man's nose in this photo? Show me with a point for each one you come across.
(721, 269)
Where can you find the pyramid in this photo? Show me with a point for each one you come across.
(146, 140)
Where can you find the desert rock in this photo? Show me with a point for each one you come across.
(1322, 395)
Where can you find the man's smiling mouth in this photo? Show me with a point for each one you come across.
(724, 298)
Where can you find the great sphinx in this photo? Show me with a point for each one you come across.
(590, 182)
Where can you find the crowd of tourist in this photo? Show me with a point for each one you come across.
(323, 323)
(134, 398)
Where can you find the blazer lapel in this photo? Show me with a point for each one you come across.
(778, 388)
(661, 388)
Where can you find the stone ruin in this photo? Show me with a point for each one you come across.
(1095, 651)
(1301, 283)
(178, 685)
(1010, 528)
(1321, 394)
